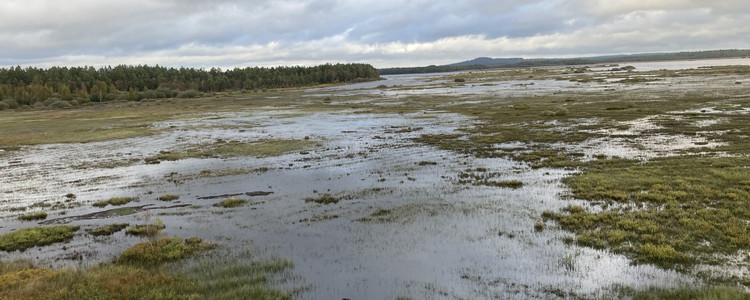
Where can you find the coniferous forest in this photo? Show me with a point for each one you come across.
(63, 86)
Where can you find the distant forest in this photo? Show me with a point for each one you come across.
(63, 86)
(487, 63)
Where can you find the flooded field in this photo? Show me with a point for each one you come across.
(443, 186)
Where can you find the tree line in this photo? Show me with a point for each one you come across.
(29, 86)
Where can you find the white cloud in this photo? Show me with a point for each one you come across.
(226, 33)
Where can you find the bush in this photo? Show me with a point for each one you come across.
(61, 104)
(12, 103)
(459, 80)
(190, 94)
(49, 101)
(4, 106)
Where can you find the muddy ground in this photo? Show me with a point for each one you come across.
(406, 221)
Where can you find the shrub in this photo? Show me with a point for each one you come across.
(4, 106)
(60, 104)
(49, 101)
(190, 94)
(11, 103)
(459, 80)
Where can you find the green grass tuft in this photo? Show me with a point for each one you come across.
(115, 201)
(25, 238)
(33, 216)
(323, 199)
(169, 197)
(162, 250)
(231, 202)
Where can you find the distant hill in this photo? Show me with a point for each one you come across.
(488, 63)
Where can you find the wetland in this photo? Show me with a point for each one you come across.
(533, 183)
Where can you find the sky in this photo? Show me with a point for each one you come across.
(384, 33)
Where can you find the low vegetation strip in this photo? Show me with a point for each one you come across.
(117, 201)
(138, 274)
(235, 148)
(670, 211)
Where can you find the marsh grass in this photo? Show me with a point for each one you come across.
(704, 293)
(33, 216)
(149, 230)
(25, 238)
(117, 201)
(169, 197)
(162, 250)
(235, 148)
(324, 199)
(670, 211)
(231, 202)
(209, 278)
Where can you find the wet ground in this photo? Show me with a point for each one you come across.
(404, 226)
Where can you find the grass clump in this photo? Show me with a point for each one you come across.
(25, 238)
(704, 293)
(234, 149)
(33, 216)
(169, 197)
(162, 250)
(149, 230)
(117, 201)
(108, 229)
(231, 202)
(323, 199)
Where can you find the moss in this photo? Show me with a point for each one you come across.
(33, 216)
(108, 229)
(231, 202)
(324, 199)
(25, 238)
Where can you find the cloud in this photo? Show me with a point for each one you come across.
(227, 33)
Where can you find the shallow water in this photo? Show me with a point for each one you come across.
(446, 240)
